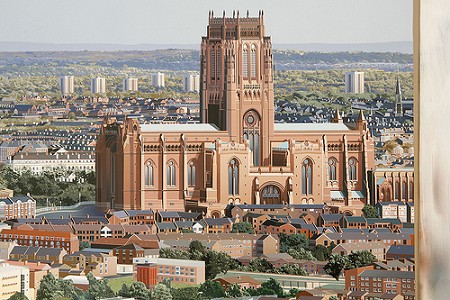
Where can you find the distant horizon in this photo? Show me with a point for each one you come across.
(405, 47)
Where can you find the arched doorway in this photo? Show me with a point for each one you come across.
(271, 194)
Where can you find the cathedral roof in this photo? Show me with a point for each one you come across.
(310, 127)
(178, 128)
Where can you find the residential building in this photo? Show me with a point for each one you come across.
(66, 85)
(354, 82)
(191, 82)
(132, 217)
(367, 279)
(217, 225)
(384, 235)
(400, 252)
(37, 272)
(130, 84)
(158, 79)
(98, 85)
(39, 163)
(17, 207)
(125, 254)
(14, 279)
(37, 254)
(143, 241)
(5, 249)
(237, 154)
(95, 261)
(378, 249)
(393, 210)
(179, 271)
(30, 237)
(236, 244)
(242, 281)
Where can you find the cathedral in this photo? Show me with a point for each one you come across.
(237, 153)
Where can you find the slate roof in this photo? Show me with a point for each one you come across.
(401, 250)
(331, 217)
(217, 221)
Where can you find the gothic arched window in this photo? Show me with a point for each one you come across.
(191, 174)
(213, 64)
(148, 174)
(251, 133)
(245, 62)
(233, 177)
(171, 174)
(332, 163)
(352, 168)
(253, 61)
(219, 64)
(307, 177)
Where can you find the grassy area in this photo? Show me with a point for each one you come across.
(116, 283)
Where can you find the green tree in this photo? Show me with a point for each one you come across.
(196, 250)
(369, 211)
(301, 253)
(360, 259)
(98, 288)
(271, 287)
(243, 227)
(233, 291)
(295, 241)
(211, 289)
(293, 292)
(52, 288)
(261, 265)
(161, 292)
(18, 296)
(292, 270)
(321, 252)
(187, 293)
(336, 263)
(218, 262)
(333, 298)
(136, 290)
(173, 253)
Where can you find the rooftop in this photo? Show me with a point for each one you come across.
(178, 128)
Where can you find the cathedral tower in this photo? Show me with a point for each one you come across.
(237, 81)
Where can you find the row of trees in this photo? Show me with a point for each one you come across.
(53, 288)
(207, 290)
(49, 185)
(337, 263)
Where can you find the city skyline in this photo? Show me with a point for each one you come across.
(348, 21)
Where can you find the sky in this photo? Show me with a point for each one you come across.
(132, 22)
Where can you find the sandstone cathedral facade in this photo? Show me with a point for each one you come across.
(237, 153)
